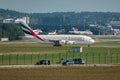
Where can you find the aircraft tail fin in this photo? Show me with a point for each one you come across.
(28, 31)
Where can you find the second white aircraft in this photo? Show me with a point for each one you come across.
(56, 40)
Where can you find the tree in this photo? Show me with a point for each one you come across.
(11, 31)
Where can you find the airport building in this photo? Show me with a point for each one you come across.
(24, 19)
(4, 39)
(17, 20)
(9, 20)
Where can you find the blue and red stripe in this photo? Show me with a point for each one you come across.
(30, 31)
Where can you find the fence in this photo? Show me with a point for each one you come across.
(28, 59)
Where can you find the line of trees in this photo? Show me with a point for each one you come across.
(11, 31)
(62, 20)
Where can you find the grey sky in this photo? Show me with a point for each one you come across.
(43, 6)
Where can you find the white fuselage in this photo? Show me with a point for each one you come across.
(55, 39)
(65, 39)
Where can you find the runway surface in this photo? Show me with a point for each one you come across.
(55, 65)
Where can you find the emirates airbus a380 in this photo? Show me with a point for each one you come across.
(56, 40)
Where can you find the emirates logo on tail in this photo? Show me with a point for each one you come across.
(27, 30)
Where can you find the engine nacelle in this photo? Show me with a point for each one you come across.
(70, 42)
(66, 42)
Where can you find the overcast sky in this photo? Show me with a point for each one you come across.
(44, 6)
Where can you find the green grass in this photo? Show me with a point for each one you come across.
(93, 58)
(29, 53)
(43, 48)
(32, 47)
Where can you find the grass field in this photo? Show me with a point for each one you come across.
(90, 58)
(22, 47)
(12, 53)
(29, 53)
(61, 73)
